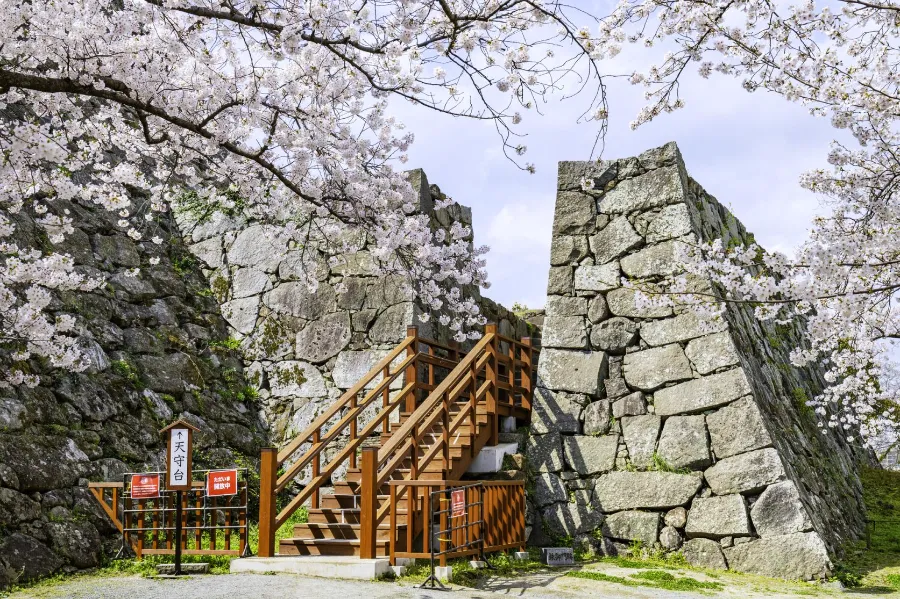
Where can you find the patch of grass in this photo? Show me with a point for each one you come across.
(464, 574)
(652, 578)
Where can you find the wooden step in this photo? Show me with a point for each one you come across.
(339, 531)
(348, 547)
(339, 502)
(349, 516)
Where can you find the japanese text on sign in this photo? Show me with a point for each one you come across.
(178, 457)
(221, 482)
(457, 503)
(144, 486)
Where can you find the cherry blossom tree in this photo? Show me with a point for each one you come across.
(283, 105)
(286, 104)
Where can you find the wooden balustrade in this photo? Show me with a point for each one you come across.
(501, 509)
(148, 524)
(418, 361)
(493, 380)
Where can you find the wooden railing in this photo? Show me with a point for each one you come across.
(111, 507)
(496, 375)
(419, 361)
(500, 512)
(148, 525)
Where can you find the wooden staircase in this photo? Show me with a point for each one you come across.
(446, 411)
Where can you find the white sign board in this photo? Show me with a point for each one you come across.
(179, 467)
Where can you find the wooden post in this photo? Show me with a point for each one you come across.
(368, 509)
(268, 476)
(411, 374)
(316, 467)
(492, 392)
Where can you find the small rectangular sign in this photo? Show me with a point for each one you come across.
(221, 482)
(179, 471)
(558, 556)
(457, 503)
(144, 486)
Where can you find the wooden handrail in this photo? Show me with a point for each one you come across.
(432, 401)
(335, 431)
(323, 419)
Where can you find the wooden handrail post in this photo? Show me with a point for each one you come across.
(492, 392)
(527, 371)
(268, 471)
(368, 503)
(411, 375)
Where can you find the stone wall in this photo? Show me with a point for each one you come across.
(305, 348)
(155, 343)
(651, 426)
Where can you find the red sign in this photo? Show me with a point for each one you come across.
(457, 503)
(144, 486)
(221, 482)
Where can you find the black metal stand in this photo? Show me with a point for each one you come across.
(178, 571)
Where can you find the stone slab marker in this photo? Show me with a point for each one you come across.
(688, 435)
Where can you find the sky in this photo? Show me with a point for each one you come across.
(746, 149)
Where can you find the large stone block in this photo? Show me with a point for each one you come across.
(618, 491)
(800, 555)
(296, 298)
(702, 394)
(390, 325)
(614, 335)
(351, 366)
(575, 371)
(640, 433)
(652, 368)
(632, 526)
(548, 488)
(614, 240)
(559, 305)
(683, 443)
(291, 378)
(680, 328)
(597, 278)
(655, 188)
(560, 280)
(568, 332)
(563, 519)
(590, 455)
(712, 352)
(671, 222)
(249, 281)
(568, 249)
(544, 452)
(323, 339)
(241, 313)
(169, 373)
(737, 428)
(258, 246)
(745, 473)
(595, 418)
(779, 511)
(658, 260)
(704, 553)
(556, 411)
(634, 304)
(574, 214)
(633, 404)
(598, 309)
(717, 517)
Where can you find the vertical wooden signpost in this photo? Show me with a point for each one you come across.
(179, 451)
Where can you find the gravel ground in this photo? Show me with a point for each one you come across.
(285, 586)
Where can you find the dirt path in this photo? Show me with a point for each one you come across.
(542, 585)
